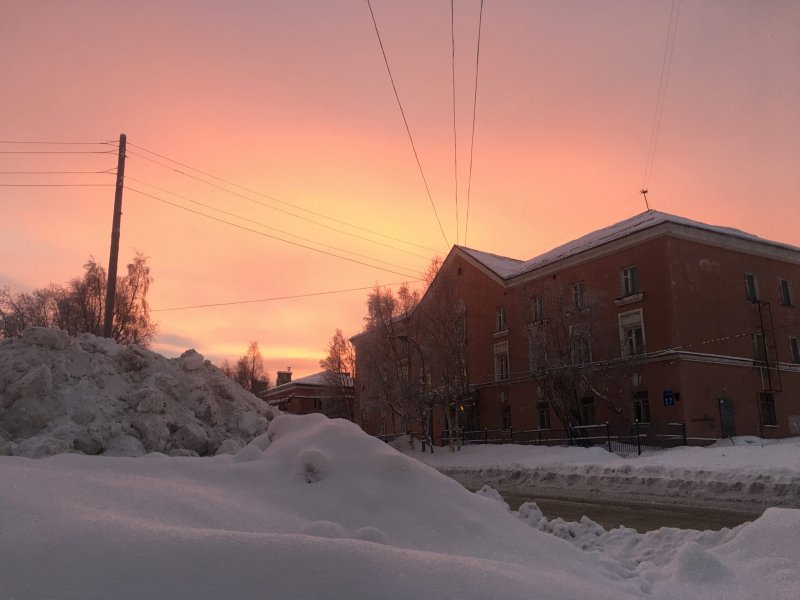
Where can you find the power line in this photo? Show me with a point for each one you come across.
(237, 216)
(666, 63)
(57, 151)
(474, 109)
(281, 210)
(455, 136)
(274, 199)
(45, 143)
(309, 295)
(267, 235)
(408, 129)
(106, 172)
(56, 185)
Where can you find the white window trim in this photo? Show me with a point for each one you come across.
(622, 274)
(621, 317)
(499, 349)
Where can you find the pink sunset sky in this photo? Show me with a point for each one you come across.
(292, 101)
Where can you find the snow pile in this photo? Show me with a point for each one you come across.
(91, 395)
(312, 509)
(315, 508)
(754, 560)
(743, 477)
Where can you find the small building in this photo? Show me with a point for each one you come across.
(328, 393)
(654, 320)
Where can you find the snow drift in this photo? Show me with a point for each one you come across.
(91, 395)
(315, 508)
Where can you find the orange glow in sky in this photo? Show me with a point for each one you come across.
(292, 101)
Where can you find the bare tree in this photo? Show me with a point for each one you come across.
(249, 370)
(392, 377)
(78, 307)
(443, 333)
(339, 367)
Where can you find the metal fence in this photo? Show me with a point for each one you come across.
(623, 440)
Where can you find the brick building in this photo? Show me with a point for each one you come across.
(324, 392)
(656, 319)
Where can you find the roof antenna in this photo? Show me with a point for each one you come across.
(643, 192)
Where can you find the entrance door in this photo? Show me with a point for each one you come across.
(727, 417)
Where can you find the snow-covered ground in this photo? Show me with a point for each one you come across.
(746, 476)
(317, 509)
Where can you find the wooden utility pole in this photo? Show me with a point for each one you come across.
(111, 285)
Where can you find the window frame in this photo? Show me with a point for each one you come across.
(751, 287)
(629, 280)
(537, 308)
(500, 322)
(794, 349)
(579, 295)
(543, 411)
(587, 411)
(766, 409)
(537, 349)
(759, 347)
(580, 347)
(501, 358)
(785, 292)
(625, 327)
(641, 407)
(505, 412)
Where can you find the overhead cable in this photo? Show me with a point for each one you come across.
(455, 136)
(281, 210)
(474, 110)
(309, 295)
(352, 260)
(265, 226)
(274, 199)
(405, 122)
(666, 63)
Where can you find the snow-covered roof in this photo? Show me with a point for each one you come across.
(507, 268)
(321, 378)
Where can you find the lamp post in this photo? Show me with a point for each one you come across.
(427, 412)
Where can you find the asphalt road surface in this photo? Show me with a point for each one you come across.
(640, 516)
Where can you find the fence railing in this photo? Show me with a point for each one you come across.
(624, 440)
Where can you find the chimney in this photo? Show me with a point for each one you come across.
(283, 377)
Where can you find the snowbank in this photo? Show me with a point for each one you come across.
(747, 477)
(91, 395)
(316, 509)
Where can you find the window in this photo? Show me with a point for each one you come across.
(759, 348)
(751, 287)
(579, 295)
(537, 349)
(502, 371)
(317, 404)
(544, 415)
(505, 412)
(580, 344)
(766, 404)
(537, 308)
(500, 319)
(786, 292)
(641, 407)
(794, 350)
(587, 411)
(630, 281)
(631, 332)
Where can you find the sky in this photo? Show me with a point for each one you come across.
(283, 118)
